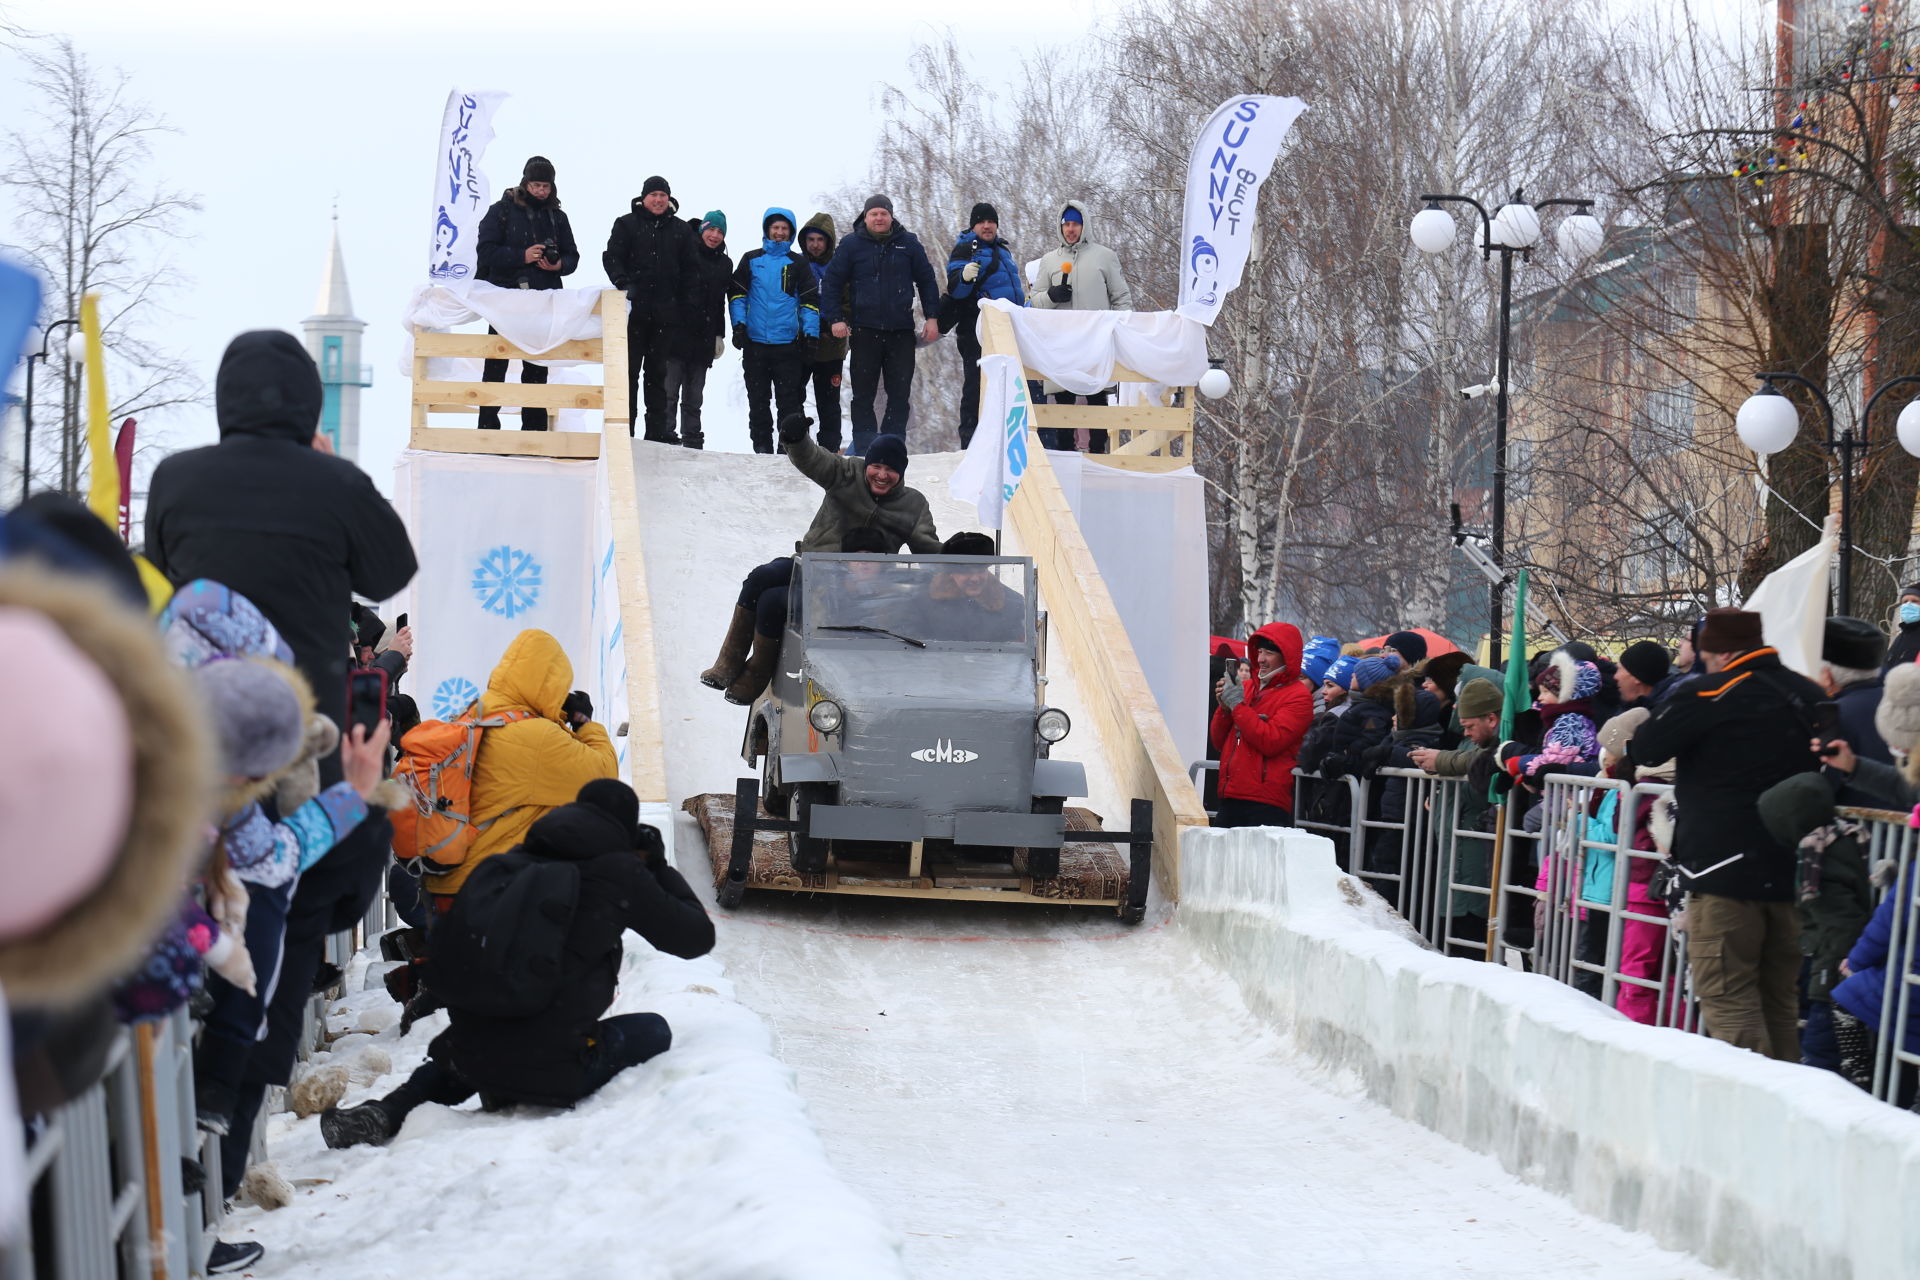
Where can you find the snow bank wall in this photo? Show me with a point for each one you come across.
(1767, 1170)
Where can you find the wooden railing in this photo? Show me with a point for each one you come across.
(1142, 437)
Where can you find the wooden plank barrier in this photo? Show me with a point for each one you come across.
(1083, 622)
(1143, 437)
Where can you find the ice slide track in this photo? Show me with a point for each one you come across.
(1031, 1091)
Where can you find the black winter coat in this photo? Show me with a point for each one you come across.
(651, 257)
(1731, 736)
(512, 226)
(1342, 748)
(707, 304)
(296, 531)
(1904, 648)
(1832, 918)
(543, 1059)
(881, 274)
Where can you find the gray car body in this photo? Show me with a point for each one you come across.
(936, 742)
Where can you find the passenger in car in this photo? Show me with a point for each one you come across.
(971, 603)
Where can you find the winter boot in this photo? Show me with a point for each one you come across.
(733, 651)
(229, 1258)
(752, 681)
(369, 1124)
(214, 1102)
(423, 1004)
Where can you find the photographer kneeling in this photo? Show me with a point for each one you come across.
(525, 1018)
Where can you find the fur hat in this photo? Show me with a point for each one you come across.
(1898, 716)
(967, 543)
(1616, 733)
(888, 451)
(1410, 645)
(1647, 661)
(258, 708)
(102, 920)
(300, 781)
(1730, 630)
(1445, 671)
(1479, 697)
(1853, 642)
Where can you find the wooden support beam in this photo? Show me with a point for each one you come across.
(1083, 620)
(516, 444)
(534, 395)
(491, 346)
(1132, 417)
(617, 412)
(1154, 462)
(646, 733)
(1120, 374)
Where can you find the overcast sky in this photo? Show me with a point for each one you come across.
(281, 110)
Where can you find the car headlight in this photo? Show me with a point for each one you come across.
(1053, 724)
(825, 715)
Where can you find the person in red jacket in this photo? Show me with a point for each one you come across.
(1257, 726)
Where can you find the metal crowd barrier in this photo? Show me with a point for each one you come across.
(104, 1172)
(1561, 898)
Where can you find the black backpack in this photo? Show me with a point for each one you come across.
(497, 952)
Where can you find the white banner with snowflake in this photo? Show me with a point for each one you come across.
(505, 544)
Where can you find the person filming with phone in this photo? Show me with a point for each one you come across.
(1261, 712)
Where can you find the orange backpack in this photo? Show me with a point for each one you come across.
(436, 766)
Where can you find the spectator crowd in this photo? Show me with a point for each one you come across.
(1744, 846)
(808, 309)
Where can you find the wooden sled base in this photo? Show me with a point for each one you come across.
(1093, 873)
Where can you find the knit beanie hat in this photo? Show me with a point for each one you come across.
(1853, 642)
(1616, 733)
(1317, 656)
(888, 451)
(1898, 715)
(537, 169)
(258, 709)
(982, 212)
(1729, 630)
(1410, 645)
(715, 219)
(1340, 673)
(1647, 662)
(1444, 671)
(1371, 671)
(1071, 214)
(876, 202)
(1479, 697)
(653, 184)
(616, 799)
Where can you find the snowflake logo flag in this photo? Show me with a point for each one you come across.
(453, 696)
(507, 581)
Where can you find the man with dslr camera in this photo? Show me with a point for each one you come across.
(525, 242)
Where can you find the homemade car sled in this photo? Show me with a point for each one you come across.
(1095, 868)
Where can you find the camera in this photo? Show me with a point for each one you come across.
(550, 249)
(1478, 390)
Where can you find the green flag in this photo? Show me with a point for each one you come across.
(1515, 693)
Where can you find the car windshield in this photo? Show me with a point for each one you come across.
(949, 600)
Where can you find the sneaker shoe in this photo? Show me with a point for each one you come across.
(365, 1125)
(214, 1104)
(228, 1258)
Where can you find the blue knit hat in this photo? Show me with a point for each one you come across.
(1340, 672)
(1372, 671)
(1318, 656)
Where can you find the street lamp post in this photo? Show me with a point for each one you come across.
(1512, 228)
(1768, 423)
(26, 408)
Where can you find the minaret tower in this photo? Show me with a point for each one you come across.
(333, 340)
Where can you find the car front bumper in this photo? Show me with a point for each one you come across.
(876, 822)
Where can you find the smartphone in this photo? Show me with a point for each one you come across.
(400, 624)
(1236, 670)
(366, 698)
(1826, 724)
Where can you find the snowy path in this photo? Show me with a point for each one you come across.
(1036, 1092)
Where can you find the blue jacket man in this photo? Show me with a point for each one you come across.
(880, 267)
(776, 319)
(980, 266)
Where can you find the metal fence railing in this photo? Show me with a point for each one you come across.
(1566, 889)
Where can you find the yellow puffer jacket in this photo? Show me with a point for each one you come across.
(530, 766)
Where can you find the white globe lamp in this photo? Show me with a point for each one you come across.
(77, 347)
(1432, 230)
(1767, 422)
(1215, 383)
(1579, 237)
(1907, 427)
(1515, 226)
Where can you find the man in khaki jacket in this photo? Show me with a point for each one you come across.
(1078, 276)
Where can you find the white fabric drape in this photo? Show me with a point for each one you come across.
(1078, 349)
(1792, 603)
(534, 320)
